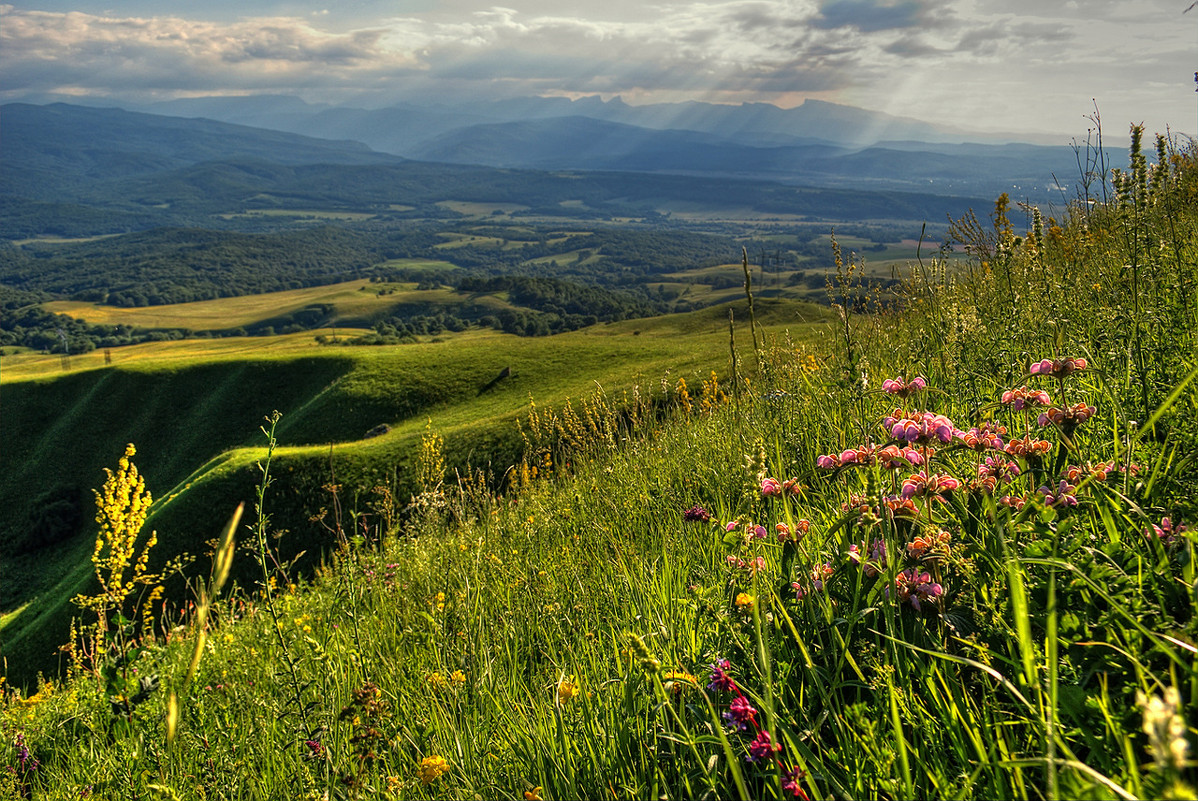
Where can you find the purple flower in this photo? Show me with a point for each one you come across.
(695, 514)
(741, 713)
(720, 680)
(762, 748)
(1061, 495)
(916, 586)
(790, 782)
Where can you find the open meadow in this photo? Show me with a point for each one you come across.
(934, 543)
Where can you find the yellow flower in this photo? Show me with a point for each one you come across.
(567, 689)
(679, 681)
(534, 794)
(431, 769)
(457, 677)
(745, 602)
(436, 681)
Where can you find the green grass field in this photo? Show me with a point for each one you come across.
(351, 300)
(330, 397)
(938, 549)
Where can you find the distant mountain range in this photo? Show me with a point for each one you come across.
(817, 143)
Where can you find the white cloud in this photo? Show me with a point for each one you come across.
(1007, 64)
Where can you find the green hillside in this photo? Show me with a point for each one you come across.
(212, 398)
(937, 549)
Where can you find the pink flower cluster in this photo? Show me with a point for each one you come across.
(1024, 397)
(1060, 495)
(1058, 368)
(748, 527)
(786, 532)
(750, 566)
(877, 557)
(916, 586)
(819, 574)
(1168, 532)
(919, 427)
(922, 484)
(772, 486)
(891, 457)
(986, 436)
(902, 388)
(1067, 417)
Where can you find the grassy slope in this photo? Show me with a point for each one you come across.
(352, 300)
(210, 396)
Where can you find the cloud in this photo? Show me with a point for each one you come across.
(974, 57)
(882, 15)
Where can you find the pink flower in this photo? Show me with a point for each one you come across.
(1023, 397)
(720, 680)
(900, 387)
(1058, 368)
(770, 486)
(922, 484)
(916, 586)
(741, 714)
(762, 748)
(919, 427)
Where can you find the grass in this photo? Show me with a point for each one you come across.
(330, 398)
(351, 300)
(727, 593)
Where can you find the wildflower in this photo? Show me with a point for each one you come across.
(696, 514)
(534, 794)
(923, 546)
(919, 428)
(916, 586)
(1165, 727)
(677, 681)
(1012, 501)
(436, 681)
(770, 486)
(1067, 418)
(720, 680)
(457, 678)
(785, 532)
(1061, 495)
(986, 436)
(25, 760)
(790, 783)
(1167, 532)
(922, 484)
(741, 714)
(762, 748)
(1058, 368)
(744, 602)
(892, 457)
(1098, 472)
(1024, 397)
(316, 749)
(752, 566)
(566, 690)
(431, 769)
(877, 557)
(900, 387)
(1028, 447)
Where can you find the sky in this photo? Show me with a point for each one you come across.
(1040, 66)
